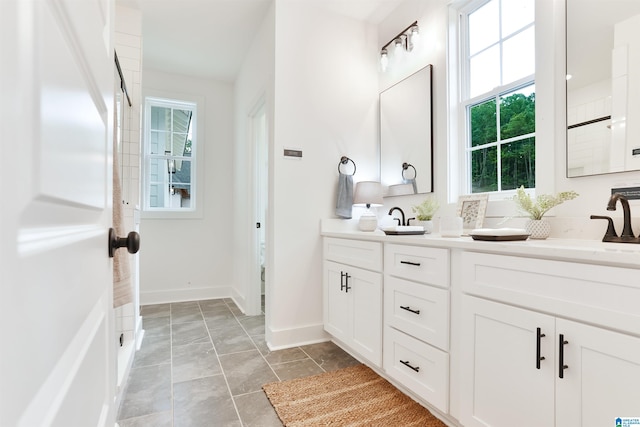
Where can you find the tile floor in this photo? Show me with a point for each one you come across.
(203, 363)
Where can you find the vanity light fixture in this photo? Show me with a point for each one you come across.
(403, 42)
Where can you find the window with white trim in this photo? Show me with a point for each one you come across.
(169, 155)
(498, 94)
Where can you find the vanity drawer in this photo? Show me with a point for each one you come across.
(419, 367)
(597, 294)
(357, 253)
(421, 264)
(419, 310)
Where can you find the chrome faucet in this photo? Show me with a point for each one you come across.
(627, 233)
(401, 212)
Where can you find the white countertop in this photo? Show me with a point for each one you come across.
(575, 250)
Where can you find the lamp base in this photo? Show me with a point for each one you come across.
(368, 221)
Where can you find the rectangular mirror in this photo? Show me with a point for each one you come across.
(406, 141)
(603, 83)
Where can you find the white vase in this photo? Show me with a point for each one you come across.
(538, 229)
(427, 225)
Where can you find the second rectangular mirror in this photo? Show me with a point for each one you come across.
(406, 142)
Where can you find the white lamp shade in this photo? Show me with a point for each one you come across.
(368, 193)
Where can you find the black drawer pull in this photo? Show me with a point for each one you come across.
(561, 365)
(539, 336)
(408, 365)
(410, 309)
(417, 264)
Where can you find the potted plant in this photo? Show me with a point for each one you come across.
(424, 213)
(536, 207)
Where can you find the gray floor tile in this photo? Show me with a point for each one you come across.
(297, 369)
(148, 391)
(246, 372)
(203, 402)
(220, 313)
(193, 361)
(189, 333)
(155, 310)
(256, 410)
(283, 356)
(185, 312)
(254, 325)
(154, 350)
(156, 326)
(329, 356)
(231, 340)
(158, 419)
(207, 305)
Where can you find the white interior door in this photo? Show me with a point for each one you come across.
(57, 364)
(258, 132)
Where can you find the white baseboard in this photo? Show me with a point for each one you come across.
(180, 295)
(279, 339)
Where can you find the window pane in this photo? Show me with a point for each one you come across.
(182, 174)
(159, 142)
(483, 27)
(483, 123)
(519, 58)
(158, 170)
(516, 14)
(161, 118)
(484, 71)
(518, 163)
(484, 170)
(518, 113)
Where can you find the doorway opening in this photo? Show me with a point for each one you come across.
(258, 286)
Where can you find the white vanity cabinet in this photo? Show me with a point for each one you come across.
(547, 342)
(416, 317)
(352, 295)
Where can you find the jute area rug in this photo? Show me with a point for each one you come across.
(354, 396)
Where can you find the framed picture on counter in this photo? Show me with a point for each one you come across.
(471, 208)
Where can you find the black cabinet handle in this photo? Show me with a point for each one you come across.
(539, 358)
(346, 282)
(408, 365)
(561, 365)
(410, 309)
(342, 276)
(417, 264)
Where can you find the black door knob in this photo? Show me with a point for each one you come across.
(131, 242)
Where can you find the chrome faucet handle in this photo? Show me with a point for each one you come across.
(610, 235)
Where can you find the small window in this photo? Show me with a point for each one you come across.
(170, 154)
(498, 95)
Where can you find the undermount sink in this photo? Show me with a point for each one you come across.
(403, 230)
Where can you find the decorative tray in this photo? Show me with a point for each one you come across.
(403, 230)
(402, 233)
(499, 234)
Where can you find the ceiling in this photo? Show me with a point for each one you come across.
(210, 38)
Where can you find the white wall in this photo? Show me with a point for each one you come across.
(326, 105)
(189, 259)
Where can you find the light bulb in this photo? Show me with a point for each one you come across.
(399, 43)
(414, 36)
(384, 60)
